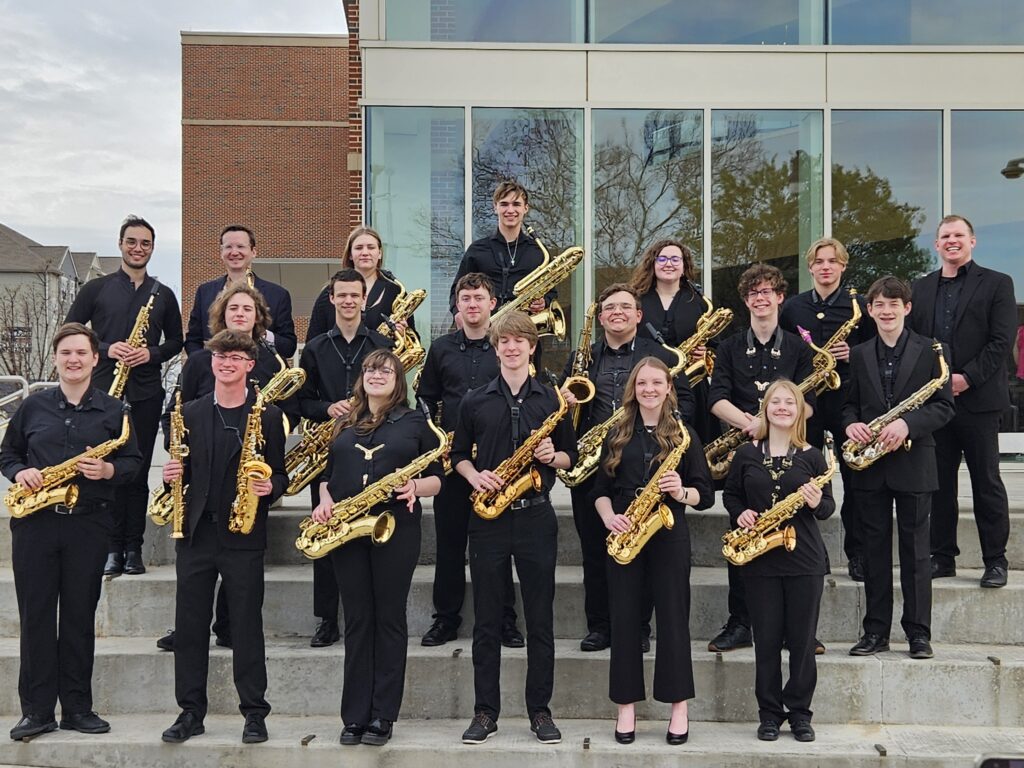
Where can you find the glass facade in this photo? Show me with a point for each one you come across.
(926, 22)
(486, 21)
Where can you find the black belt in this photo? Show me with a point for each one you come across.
(77, 509)
(533, 501)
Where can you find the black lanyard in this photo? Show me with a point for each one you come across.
(348, 363)
(514, 407)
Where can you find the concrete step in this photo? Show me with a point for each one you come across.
(134, 742)
(133, 606)
(970, 684)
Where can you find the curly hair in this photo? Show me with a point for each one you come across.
(219, 309)
(643, 275)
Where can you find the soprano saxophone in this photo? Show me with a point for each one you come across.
(169, 505)
(647, 513)
(136, 339)
(741, 545)
(251, 467)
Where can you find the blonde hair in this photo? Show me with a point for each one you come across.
(842, 255)
(798, 432)
(667, 432)
(517, 324)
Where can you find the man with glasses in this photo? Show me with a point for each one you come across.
(611, 361)
(111, 305)
(746, 364)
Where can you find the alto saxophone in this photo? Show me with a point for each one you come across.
(579, 383)
(307, 459)
(353, 517)
(168, 505)
(862, 455)
(647, 513)
(282, 385)
(742, 545)
(136, 339)
(251, 467)
(57, 488)
(709, 325)
(517, 470)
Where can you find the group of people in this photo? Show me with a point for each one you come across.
(478, 385)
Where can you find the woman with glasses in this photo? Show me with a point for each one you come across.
(379, 434)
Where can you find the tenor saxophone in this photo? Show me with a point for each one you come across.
(518, 471)
(741, 545)
(251, 467)
(647, 513)
(136, 339)
(862, 455)
(353, 517)
(711, 323)
(408, 346)
(57, 488)
(169, 505)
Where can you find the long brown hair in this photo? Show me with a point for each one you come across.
(798, 432)
(346, 259)
(219, 308)
(643, 275)
(359, 416)
(667, 433)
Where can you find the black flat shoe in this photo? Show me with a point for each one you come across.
(768, 730)
(595, 641)
(675, 739)
(326, 633)
(114, 565)
(941, 570)
(994, 577)
(625, 738)
(802, 730)
(733, 635)
(870, 644)
(255, 729)
(378, 732)
(133, 565)
(352, 734)
(185, 727)
(84, 722)
(30, 726)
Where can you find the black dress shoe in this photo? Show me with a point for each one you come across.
(595, 641)
(133, 565)
(802, 730)
(511, 637)
(30, 726)
(942, 570)
(326, 633)
(114, 565)
(185, 727)
(625, 738)
(84, 722)
(255, 729)
(675, 739)
(994, 577)
(870, 644)
(378, 732)
(438, 634)
(856, 569)
(733, 635)
(920, 648)
(166, 643)
(768, 730)
(645, 643)
(352, 734)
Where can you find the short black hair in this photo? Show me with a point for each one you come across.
(131, 220)
(346, 276)
(889, 287)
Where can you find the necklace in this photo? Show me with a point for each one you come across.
(776, 467)
(512, 254)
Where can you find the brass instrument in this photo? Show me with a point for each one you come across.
(579, 383)
(251, 467)
(408, 347)
(282, 385)
(307, 459)
(517, 470)
(647, 513)
(862, 455)
(169, 505)
(352, 517)
(57, 488)
(709, 325)
(136, 339)
(250, 278)
(742, 545)
(551, 272)
(832, 381)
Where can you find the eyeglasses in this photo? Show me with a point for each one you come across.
(764, 293)
(622, 307)
(669, 259)
(383, 370)
(131, 242)
(232, 358)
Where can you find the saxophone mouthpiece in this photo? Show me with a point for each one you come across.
(804, 334)
(530, 233)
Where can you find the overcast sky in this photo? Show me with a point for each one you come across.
(90, 111)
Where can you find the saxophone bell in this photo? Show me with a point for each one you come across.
(551, 321)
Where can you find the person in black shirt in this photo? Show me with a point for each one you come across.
(111, 305)
(217, 425)
(821, 311)
(883, 373)
(746, 363)
(333, 362)
(635, 449)
(237, 251)
(497, 418)
(378, 435)
(57, 552)
(455, 364)
(611, 360)
(783, 587)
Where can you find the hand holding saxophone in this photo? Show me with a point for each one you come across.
(30, 477)
(747, 519)
(672, 484)
(892, 436)
(339, 409)
(127, 354)
(840, 351)
(94, 468)
(172, 470)
(487, 480)
(545, 451)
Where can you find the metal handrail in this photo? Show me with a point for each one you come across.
(24, 390)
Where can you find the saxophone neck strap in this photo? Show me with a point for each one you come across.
(515, 407)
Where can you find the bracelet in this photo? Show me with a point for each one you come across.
(415, 488)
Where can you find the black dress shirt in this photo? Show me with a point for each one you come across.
(503, 262)
(47, 430)
(111, 305)
(278, 300)
(677, 323)
(889, 365)
(455, 365)
(332, 365)
(750, 486)
(486, 420)
(379, 302)
(821, 317)
(946, 301)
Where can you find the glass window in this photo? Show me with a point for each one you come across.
(415, 198)
(738, 22)
(766, 195)
(497, 21)
(886, 191)
(926, 22)
(647, 186)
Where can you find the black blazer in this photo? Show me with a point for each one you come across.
(983, 330)
(906, 471)
(278, 299)
(200, 420)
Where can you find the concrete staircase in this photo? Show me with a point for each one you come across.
(880, 711)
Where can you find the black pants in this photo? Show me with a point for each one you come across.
(975, 437)
(664, 562)
(198, 563)
(784, 609)
(132, 498)
(530, 536)
(58, 571)
(737, 595)
(325, 585)
(452, 510)
(915, 564)
(828, 415)
(374, 585)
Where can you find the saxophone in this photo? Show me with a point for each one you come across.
(283, 384)
(647, 513)
(709, 325)
(251, 466)
(408, 346)
(551, 272)
(57, 488)
(842, 333)
(166, 506)
(137, 339)
(517, 470)
(579, 383)
(741, 545)
(862, 455)
(353, 517)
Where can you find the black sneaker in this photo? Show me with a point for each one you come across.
(545, 729)
(511, 637)
(166, 643)
(480, 730)
(733, 635)
(439, 634)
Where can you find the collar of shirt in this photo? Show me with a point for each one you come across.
(88, 402)
(335, 332)
(499, 238)
(884, 349)
(828, 302)
(529, 388)
(961, 272)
